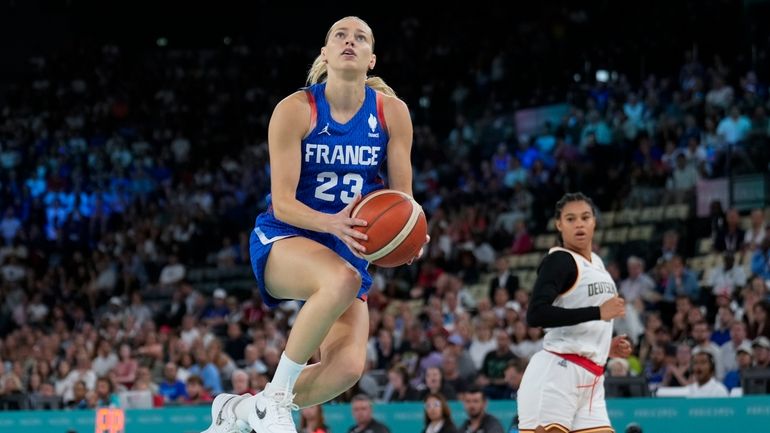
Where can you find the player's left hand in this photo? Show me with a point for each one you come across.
(620, 347)
(422, 250)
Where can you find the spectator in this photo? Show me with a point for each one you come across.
(398, 387)
(125, 370)
(171, 388)
(9, 226)
(761, 346)
(742, 362)
(638, 285)
(196, 393)
(522, 241)
(730, 237)
(173, 272)
(482, 343)
(701, 337)
(681, 281)
(705, 384)
(727, 278)
(760, 260)
(205, 369)
(438, 416)
(434, 384)
(680, 186)
(105, 393)
(214, 314)
(492, 374)
(513, 373)
(475, 404)
(655, 367)
(729, 349)
(734, 128)
(723, 325)
(504, 277)
(78, 399)
(312, 420)
(106, 359)
(240, 382)
(361, 405)
(618, 367)
(451, 373)
(759, 325)
(755, 234)
(236, 342)
(465, 366)
(679, 372)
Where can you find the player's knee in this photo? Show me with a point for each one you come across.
(351, 370)
(346, 284)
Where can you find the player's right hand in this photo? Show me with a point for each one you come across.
(341, 225)
(612, 308)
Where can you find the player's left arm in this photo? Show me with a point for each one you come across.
(400, 131)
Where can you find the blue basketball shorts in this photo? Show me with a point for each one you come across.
(269, 229)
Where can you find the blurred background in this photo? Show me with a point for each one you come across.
(133, 162)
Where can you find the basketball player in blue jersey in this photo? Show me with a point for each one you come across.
(575, 298)
(328, 144)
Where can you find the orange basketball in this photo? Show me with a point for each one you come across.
(396, 227)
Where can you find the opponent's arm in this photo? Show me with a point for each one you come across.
(557, 274)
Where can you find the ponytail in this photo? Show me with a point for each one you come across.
(317, 73)
(379, 85)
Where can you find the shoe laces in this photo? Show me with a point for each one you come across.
(284, 405)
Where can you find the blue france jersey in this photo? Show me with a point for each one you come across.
(340, 160)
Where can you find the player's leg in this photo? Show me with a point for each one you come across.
(548, 395)
(302, 269)
(299, 268)
(591, 416)
(343, 354)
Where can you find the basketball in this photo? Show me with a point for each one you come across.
(396, 227)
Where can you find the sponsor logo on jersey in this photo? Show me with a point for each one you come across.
(325, 130)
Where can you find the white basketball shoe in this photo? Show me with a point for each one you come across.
(223, 419)
(272, 412)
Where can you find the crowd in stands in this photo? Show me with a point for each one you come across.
(121, 175)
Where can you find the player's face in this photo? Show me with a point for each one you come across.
(349, 45)
(577, 224)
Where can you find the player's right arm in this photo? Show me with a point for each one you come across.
(289, 123)
(556, 275)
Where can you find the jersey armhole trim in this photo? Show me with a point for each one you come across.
(381, 112)
(577, 269)
(313, 111)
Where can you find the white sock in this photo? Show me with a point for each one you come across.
(286, 374)
(285, 377)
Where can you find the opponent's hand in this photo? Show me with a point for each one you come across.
(620, 347)
(342, 226)
(612, 308)
(421, 252)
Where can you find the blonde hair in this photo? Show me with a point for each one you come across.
(318, 73)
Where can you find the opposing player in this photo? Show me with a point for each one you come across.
(574, 297)
(328, 144)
